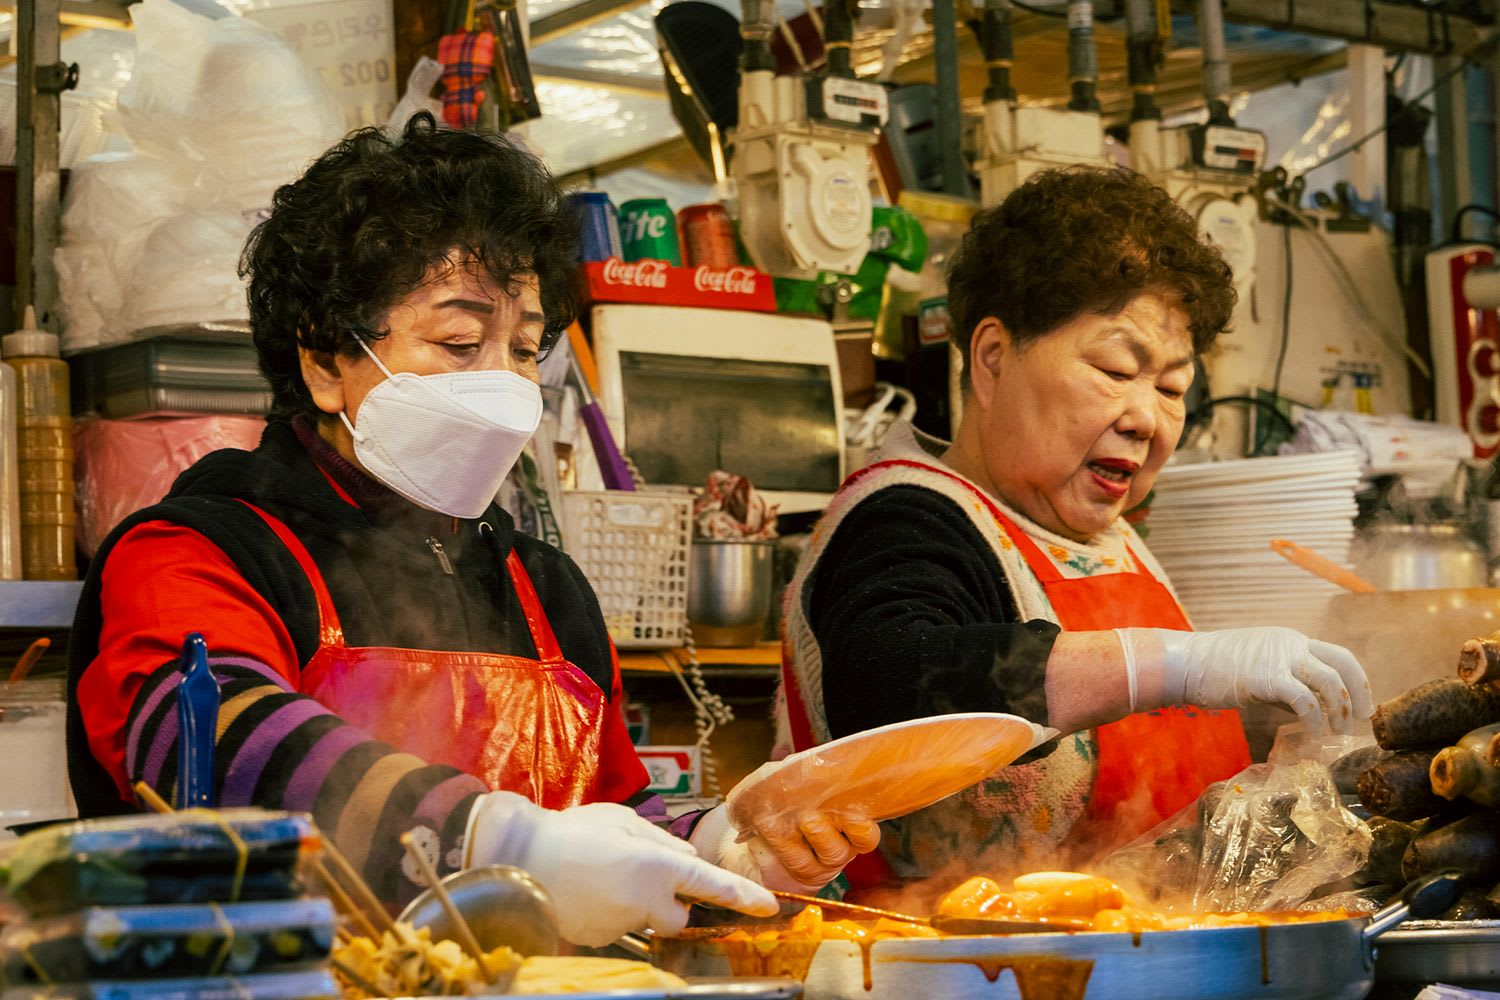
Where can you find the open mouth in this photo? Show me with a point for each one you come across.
(1114, 470)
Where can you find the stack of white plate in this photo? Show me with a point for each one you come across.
(1211, 527)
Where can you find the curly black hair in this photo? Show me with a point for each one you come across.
(363, 226)
(1075, 240)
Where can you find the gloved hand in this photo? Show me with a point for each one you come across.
(1323, 683)
(800, 854)
(608, 870)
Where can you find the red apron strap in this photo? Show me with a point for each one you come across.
(547, 649)
(330, 631)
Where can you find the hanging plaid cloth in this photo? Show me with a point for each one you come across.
(468, 58)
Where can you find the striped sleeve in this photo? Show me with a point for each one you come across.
(275, 748)
(282, 750)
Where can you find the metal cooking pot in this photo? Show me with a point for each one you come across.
(729, 590)
(1326, 960)
(1420, 557)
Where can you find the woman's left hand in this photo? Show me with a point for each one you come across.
(800, 852)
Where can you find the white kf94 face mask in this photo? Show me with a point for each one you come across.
(445, 442)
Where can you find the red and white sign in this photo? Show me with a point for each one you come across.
(655, 282)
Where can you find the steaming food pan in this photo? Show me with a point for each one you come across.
(1325, 960)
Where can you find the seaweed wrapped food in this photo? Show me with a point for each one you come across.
(172, 941)
(196, 856)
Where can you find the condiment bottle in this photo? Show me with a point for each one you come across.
(10, 478)
(44, 451)
(1463, 769)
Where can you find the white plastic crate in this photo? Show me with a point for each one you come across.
(633, 547)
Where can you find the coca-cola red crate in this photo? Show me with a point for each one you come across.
(657, 283)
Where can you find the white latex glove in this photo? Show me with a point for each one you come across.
(608, 870)
(1323, 683)
(798, 857)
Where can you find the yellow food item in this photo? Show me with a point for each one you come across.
(810, 925)
(1088, 902)
(407, 962)
(563, 974)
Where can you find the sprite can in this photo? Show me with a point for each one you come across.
(648, 231)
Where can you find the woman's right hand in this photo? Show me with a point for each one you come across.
(608, 870)
(1233, 668)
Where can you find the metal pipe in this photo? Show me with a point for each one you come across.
(999, 50)
(1083, 58)
(757, 21)
(1216, 83)
(949, 103)
(838, 36)
(1143, 51)
(40, 80)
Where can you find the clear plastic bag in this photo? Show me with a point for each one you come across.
(1268, 838)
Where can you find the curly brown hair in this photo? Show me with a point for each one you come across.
(361, 228)
(1077, 240)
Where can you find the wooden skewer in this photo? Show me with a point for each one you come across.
(356, 980)
(370, 902)
(344, 903)
(461, 926)
(150, 799)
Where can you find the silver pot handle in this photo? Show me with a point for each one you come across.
(1422, 899)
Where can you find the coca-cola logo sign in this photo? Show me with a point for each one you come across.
(730, 281)
(638, 274)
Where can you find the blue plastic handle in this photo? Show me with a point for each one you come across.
(197, 722)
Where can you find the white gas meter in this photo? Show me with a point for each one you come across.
(802, 171)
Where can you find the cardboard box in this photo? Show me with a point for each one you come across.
(673, 770)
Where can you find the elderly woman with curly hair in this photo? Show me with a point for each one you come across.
(995, 573)
(392, 654)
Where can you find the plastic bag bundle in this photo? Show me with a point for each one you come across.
(122, 466)
(1266, 839)
(218, 114)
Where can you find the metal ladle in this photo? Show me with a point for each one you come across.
(502, 905)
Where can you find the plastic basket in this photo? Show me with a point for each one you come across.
(633, 548)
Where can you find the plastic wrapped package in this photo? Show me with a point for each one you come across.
(196, 856)
(125, 465)
(1269, 838)
(306, 984)
(168, 941)
(219, 113)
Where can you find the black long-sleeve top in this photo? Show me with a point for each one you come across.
(913, 617)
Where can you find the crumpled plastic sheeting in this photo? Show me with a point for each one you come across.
(1266, 839)
(122, 466)
(218, 114)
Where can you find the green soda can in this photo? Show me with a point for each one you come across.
(648, 231)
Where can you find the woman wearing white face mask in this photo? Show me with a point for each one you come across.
(393, 654)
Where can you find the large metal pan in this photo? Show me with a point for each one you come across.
(1326, 960)
(1458, 952)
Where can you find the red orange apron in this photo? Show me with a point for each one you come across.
(535, 727)
(1150, 764)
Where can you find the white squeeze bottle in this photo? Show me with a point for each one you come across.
(44, 452)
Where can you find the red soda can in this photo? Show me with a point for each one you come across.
(708, 237)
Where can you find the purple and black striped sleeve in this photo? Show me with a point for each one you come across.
(282, 750)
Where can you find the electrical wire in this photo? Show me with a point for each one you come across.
(1346, 282)
(1286, 330)
(1457, 234)
(1359, 143)
(709, 711)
